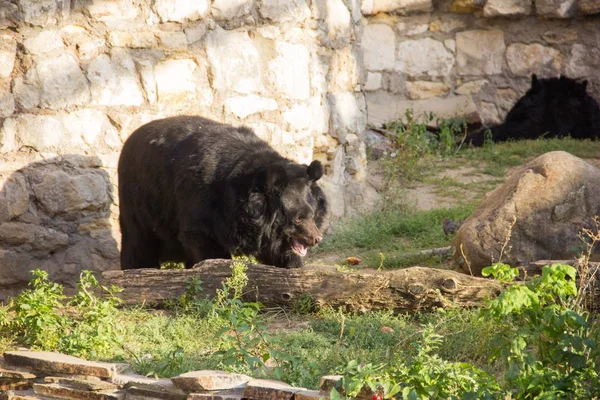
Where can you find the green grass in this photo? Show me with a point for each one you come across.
(393, 233)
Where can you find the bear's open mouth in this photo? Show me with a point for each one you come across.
(299, 248)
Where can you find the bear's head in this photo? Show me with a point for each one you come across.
(296, 209)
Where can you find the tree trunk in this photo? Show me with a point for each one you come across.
(401, 290)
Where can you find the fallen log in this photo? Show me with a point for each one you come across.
(401, 290)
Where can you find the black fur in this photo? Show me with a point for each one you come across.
(192, 189)
(552, 107)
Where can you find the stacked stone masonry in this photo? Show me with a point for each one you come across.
(77, 77)
(29, 375)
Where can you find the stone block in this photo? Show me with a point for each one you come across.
(480, 52)
(424, 57)
(63, 392)
(181, 10)
(289, 70)
(348, 112)
(175, 80)
(44, 42)
(556, 8)
(199, 381)
(8, 53)
(421, 90)
(280, 11)
(507, 8)
(372, 7)
(50, 363)
(379, 47)
(235, 61)
(243, 106)
(231, 9)
(259, 389)
(114, 81)
(526, 59)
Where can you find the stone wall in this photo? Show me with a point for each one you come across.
(473, 57)
(78, 76)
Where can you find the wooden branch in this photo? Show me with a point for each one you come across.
(401, 290)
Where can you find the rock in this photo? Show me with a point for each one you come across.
(144, 382)
(373, 81)
(560, 35)
(466, 6)
(175, 80)
(114, 81)
(480, 52)
(289, 70)
(59, 81)
(18, 233)
(215, 396)
(199, 381)
(526, 59)
(377, 144)
(111, 11)
(550, 200)
(556, 8)
(258, 389)
(489, 113)
(424, 56)
(135, 393)
(90, 385)
(135, 40)
(284, 10)
(379, 47)
(9, 15)
(44, 42)
(344, 70)
(338, 23)
(41, 132)
(89, 126)
(42, 12)
(471, 87)
(7, 101)
(231, 9)
(14, 197)
(310, 395)
(588, 7)
(176, 41)
(295, 117)
(235, 66)
(420, 90)
(577, 66)
(347, 114)
(180, 10)
(243, 106)
(507, 8)
(329, 382)
(60, 192)
(64, 392)
(373, 7)
(52, 363)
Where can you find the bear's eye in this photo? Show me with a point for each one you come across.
(297, 220)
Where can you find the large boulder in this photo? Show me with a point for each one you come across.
(542, 207)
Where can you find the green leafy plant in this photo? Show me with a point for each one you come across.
(43, 317)
(552, 350)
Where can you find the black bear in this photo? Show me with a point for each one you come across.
(191, 189)
(552, 107)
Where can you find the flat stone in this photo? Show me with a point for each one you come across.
(480, 52)
(43, 42)
(137, 393)
(198, 381)
(379, 47)
(289, 70)
(260, 389)
(175, 80)
(181, 10)
(588, 7)
(284, 10)
(6, 385)
(235, 66)
(18, 395)
(556, 8)
(243, 106)
(397, 6)
(526, 59)
(50, 362)
(231, 9)
(424, 57)
(329, 382)
(91, 385)
(64, 392)
(420, 90)
(6, 373)
(507, 8)
(114, 81)
(471, 87)
(143, 382)
(215, 396)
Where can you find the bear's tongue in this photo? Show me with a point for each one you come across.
(299, 248)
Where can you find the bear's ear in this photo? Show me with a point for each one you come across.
(314, 171)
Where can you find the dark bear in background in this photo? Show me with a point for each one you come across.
(552, 107)
(192, 189)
